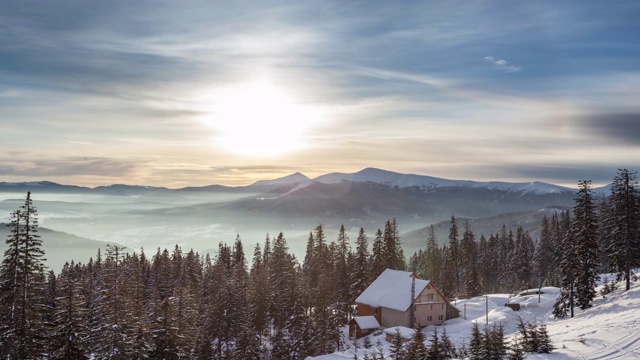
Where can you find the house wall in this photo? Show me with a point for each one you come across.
(430, 303)
(367, 310)
(391, 317)
(437, 312)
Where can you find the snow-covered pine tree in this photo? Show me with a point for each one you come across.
(389, 245)
(9, 290)
(585, 232)
(436, 350)
(22, 286)
(495, 343)
(378, 262)
(433, 257)
(545, 345)
(623, 221)
(543, 263)
(70, 333)
(454, 259)
(359, 274)
(521, 259)
(476, 349)
(343, 296)
(469, 262)
(416, 348)
(397, 349)
(448, 348)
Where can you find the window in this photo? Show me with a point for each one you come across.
(441, 306)
(440, 317)
(430, 296)
(429, 318)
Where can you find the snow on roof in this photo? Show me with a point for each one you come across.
(366, 322)
(405, 332)
(392, 289)
(399, 296)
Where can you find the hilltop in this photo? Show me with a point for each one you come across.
(608, 330)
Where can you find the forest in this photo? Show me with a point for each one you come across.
(176, 304)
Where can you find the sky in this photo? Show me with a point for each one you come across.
(193, 93)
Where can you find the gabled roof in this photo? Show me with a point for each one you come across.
(392, 289)
(367, 322)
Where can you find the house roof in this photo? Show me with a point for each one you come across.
(366, 322)
(405, 332)
(392, 289)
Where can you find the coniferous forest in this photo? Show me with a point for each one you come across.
(264, 303)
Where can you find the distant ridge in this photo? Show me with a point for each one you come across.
(409, 180)
(369, 174)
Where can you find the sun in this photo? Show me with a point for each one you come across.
(258, 119)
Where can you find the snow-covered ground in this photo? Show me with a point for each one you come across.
(608, 330)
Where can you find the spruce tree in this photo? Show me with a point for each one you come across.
(543, 263)
(585, 233)
(454, 257)
(476, 349)
(436, 350)
(623, 221)
(378, 262)
(70, 332)
(416, 348)
(397, 349)
(359, 274)
(22, 286)
(433, 257)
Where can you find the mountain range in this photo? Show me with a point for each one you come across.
(199, 217)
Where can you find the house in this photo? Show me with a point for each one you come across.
(397, 298)
(363, 325)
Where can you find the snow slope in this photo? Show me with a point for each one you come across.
(608, 330)
(408, 180)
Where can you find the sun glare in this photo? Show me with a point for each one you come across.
(258, 119)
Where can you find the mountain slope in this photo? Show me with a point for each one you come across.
(410, 180)
(61, 247)
(608, 330)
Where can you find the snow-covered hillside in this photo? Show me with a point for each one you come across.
(608, 330)
(408, 180)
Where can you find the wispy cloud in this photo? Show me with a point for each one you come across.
(502, 64)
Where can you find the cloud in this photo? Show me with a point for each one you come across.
(623, 127)
(502, 64)
(69, 167)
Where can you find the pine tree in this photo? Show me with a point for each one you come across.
(454, 257)
(416, 348)
(498, 344)
(359, 274)
(378, 262)
(545, 345)
(476, 349)
(569, 266)
(543, 263)
(623, 239)
(22, 283)
(515, 351)
(433, 257)
(436, 350)
(448, 348)
(9, 290)
(70, 332)
(341, 274)
(389, 245)
(468, 262)
(585, 232)
(397, 350)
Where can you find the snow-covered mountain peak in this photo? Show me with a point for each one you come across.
(285, 180)
(409, 180)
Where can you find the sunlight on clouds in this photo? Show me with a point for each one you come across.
(259, 119)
